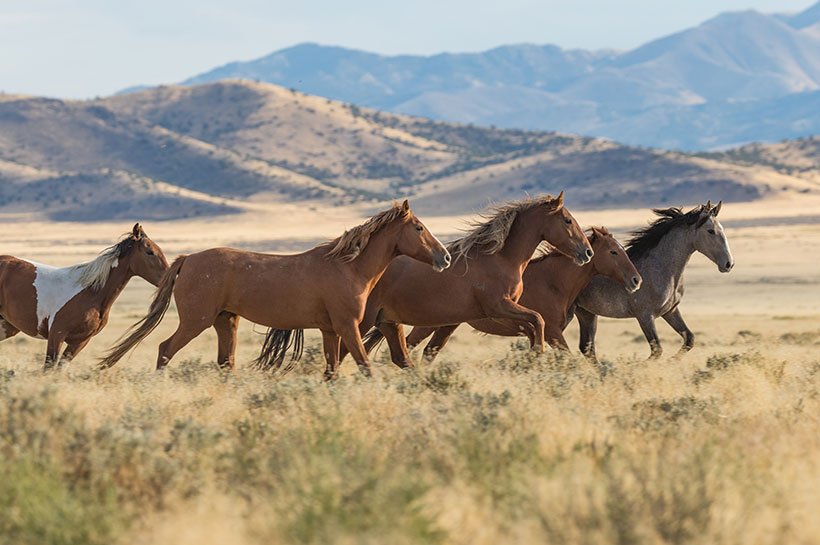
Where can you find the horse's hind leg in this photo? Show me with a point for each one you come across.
(71, 351)
(647, 323)
(226, 325)
(675, 320)
(394, 333)
(418, 334)
(588, 323)
(440, 337)
(185, 333)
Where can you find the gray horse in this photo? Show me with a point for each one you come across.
(660, 252)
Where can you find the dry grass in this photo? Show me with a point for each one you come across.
(516, 449)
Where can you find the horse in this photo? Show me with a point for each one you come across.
(71, 304)
(552, 281)
(484, 281)
(660, 252)
(325, 288)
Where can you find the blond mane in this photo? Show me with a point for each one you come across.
(95, 273)
(488, 236)
(347, 247)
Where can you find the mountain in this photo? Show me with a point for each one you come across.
(219, 148)
(654, 95)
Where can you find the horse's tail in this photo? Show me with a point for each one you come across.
(140, 330)
(373, 338)
(277, 343)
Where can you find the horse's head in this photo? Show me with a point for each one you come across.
(562, 231)
(417, 242)
(710, 239)
(146, 258)
(611, 260)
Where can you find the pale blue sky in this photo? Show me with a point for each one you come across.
(83, 48)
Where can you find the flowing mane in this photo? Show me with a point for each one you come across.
(544, 250)
(648, 237)
(347, 247)
(488, 236)
(95, 273)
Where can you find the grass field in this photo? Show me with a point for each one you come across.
(490, 444)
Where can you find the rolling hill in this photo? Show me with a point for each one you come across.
(225, 147)
(684, 91)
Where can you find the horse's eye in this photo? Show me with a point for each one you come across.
(419, 228)
(149, 251)
(614, 252)
(568, 221)
(711, 231)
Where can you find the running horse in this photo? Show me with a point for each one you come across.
(552, 281)
(71, 304)
(324, 288)
(485, 280)
(660, 252)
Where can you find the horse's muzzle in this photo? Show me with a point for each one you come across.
(442, 261)
(633, 284)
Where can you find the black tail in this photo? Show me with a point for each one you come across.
(373, 338)
(277, 343)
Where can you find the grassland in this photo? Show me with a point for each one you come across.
(490, 444)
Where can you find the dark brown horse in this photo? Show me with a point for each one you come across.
(552, 281)
(485, 279)
(71, 304)
(324, 288)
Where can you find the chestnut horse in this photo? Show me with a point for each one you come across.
(485, 279)
(552, 281)
(324, 288)
(71, 304)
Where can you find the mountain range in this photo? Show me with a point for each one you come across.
(736, 78)
(231, 146)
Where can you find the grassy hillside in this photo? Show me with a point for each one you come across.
(229, 146)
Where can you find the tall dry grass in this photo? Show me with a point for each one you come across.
(518, 449)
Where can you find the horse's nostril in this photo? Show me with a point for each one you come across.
(635, 280)
(729, 264)
(589, 253)
(447, 258)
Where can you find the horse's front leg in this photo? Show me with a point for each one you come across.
(440, 337)
(509, 309)
(330, 346)
(647, 323)
(418, 334)
(674, 319)
(71, 351)
(588, 323)
(55, 344)
(394, 333)
(349, 332)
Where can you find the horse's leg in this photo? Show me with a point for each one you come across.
(185, 333)
(55, 344)
(418, 334)
(555, 337)
(647, 323)
(71, 351)
(509, 309)
(589, 327)
(367, 322)
(675, 320)
(440, 337)
(349, 332)
(330, 346)
(226, 324)
(394, 333)
(7, 330)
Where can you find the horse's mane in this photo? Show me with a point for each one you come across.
(347, 247)
(648, 237)
(488, 236)
(545, 250)
(95, 273)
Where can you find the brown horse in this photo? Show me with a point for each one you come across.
(71, 304)
(552, 281)
(485, 280)
(325, 288)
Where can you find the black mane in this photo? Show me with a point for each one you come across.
(648, 237)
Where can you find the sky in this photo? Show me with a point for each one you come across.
(86, 48)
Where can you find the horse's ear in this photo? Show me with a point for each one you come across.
(137, 231)
(716, 209)
(559, 200)
(405, 206)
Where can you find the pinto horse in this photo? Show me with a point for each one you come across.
(660, 252)
(484, 281)
(325, 288)
(552, 281)
(71, 304)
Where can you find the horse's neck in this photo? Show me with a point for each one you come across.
(116, 282)
(567, 278)
(669, 258)
(373, 260)
(521, 242)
